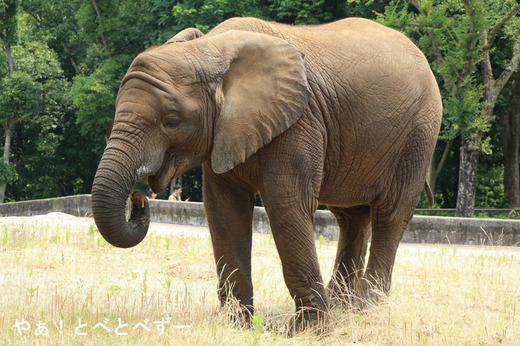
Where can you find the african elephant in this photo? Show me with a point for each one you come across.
(344, 114)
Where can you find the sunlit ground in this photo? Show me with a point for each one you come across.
(60, 282)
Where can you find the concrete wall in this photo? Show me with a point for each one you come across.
(422, 229)
(73, 205)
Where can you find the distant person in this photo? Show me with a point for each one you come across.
(151, 195)
(176, 194)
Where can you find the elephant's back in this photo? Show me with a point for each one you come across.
(344, 46)
(354, 61)
(359, 52)
(356, 34)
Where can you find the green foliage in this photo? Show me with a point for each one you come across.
(205, 14)
(451, 36)
(34, 79)
(128, 26)
(54, 22)
(490, 188)
(8, 172)
(114, 36)
(305, 11)
(257, 326)
(66, 78)
(45, 148)
(365, 8)
(459, 42)
(20, 97)
(192, 184)
(8, 22)
(93, 25)
(93, 97)
(457, 71)
(36, 59)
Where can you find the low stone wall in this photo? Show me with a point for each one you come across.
(74, 205)
(422, 229)
(453, 230)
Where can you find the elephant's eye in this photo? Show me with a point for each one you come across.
(171, 121)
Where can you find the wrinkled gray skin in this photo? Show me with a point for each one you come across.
(344, 114)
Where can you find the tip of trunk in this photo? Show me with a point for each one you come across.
(140, 214)
(110, 191)
(113, 225)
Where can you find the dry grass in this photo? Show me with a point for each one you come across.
(441, 295)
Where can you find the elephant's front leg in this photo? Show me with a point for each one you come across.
(229, 211)
(291, 217)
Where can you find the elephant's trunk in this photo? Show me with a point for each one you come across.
(112, 185)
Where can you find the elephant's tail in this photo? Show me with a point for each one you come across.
(429, 194)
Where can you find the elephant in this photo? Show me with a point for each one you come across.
(344, 114)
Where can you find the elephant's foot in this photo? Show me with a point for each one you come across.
(236, 304)
(312, 314)
(358, 294)
(340, 292)
(369, 294)
(310, 320)
(238, 314)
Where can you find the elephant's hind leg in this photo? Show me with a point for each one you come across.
(354, 231)
(388, 226)
(390, 216)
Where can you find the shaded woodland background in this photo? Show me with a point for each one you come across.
(61, 62)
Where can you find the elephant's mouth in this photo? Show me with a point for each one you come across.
(160, 180)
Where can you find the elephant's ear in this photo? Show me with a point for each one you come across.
(262, 92)
(186, 35)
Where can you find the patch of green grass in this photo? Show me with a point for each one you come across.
(257, 326)
(6, 236)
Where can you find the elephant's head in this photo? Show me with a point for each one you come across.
(218, 98)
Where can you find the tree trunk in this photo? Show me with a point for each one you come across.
(492, 89)
(510, 123)
(9, 125)
(103, 39)
(7, 148)
(436, 170)
(76, 68)
(469, 154)
(9, 59)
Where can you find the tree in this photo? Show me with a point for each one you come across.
(115, 31)
(41, 109)
(206, 14)
(510, 123)
(93, 97)
(304, 12)
(8, 28)
(201, 14)
(51, 156)
(459, 39)
(18, 100)
(54, 22)
(8, 35)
